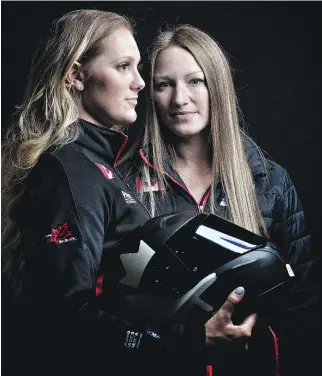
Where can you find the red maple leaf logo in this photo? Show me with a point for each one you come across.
(59, 233)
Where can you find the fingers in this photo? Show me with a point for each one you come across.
(245, 329)
(220, 326)
(234, 298)
(250, 321)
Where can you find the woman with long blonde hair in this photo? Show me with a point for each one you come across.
(60, 189)
(66, 210)
(46, 120)
(196, 156)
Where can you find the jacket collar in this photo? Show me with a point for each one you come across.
(104, 142)
(258, 166)
(145, 151)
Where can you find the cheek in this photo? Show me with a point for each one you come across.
(108, 83)
(203, 99)
(161, 102)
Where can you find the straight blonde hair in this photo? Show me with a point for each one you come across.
(227, 139)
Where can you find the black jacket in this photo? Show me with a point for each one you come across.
(73, 214)
(286, 345)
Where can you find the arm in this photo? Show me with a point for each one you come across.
(298, 322)
(63, 225)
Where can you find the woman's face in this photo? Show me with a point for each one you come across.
(180, 92)
(112, 82)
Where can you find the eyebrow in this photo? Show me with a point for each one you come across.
(169, 78)
(124, 57)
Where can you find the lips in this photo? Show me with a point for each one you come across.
(133, 100)
(182, 113)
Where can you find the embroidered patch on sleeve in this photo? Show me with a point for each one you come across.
(61, 234)
(106, 172)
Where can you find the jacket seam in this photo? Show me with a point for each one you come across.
(291, 215)
(62, 168)
(88, 155)
(301, 237)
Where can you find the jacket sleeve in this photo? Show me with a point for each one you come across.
(63, 226)
(297, 323)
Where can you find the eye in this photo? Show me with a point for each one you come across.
(161, 85)
(196, 81)
(140, 67)
(123, 67)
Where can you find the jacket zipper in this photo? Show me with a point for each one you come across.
(128, 187)
(205, 197)
(121, 148)
(116, 170)
(204, 201)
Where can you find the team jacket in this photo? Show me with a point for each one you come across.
(74, 212)
(284, 346)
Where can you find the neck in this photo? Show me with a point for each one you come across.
(192, 153)
(83, 114)
(194, 166)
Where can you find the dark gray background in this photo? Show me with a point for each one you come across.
(274, 48)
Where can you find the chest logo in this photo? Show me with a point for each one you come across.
(223, 202)
(128, 198)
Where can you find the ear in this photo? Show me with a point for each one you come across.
(75, 77)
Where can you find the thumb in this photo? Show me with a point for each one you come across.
(233, 299)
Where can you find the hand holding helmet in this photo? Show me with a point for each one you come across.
(220, 326)
(181, 268)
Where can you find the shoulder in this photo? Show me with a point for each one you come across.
(278, 177)
(71, 164)
(268, 175)
(66, 172)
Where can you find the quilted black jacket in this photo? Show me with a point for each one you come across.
(295, 327)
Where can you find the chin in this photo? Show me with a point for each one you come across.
(129, 119)
(184, 133)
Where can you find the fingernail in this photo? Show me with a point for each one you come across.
(239, 290)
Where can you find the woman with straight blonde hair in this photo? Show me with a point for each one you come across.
(196, 156)
(66, 209)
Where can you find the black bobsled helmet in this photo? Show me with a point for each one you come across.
(183, 266)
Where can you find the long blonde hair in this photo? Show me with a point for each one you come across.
(47, 117)
(229, 162)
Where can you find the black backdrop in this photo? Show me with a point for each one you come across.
(274, 48)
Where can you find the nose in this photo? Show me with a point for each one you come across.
(180, 96)
(138, 82)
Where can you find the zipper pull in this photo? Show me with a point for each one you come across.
(200, 208)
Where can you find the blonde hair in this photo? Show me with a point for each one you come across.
(46, 119)
(229, 162)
